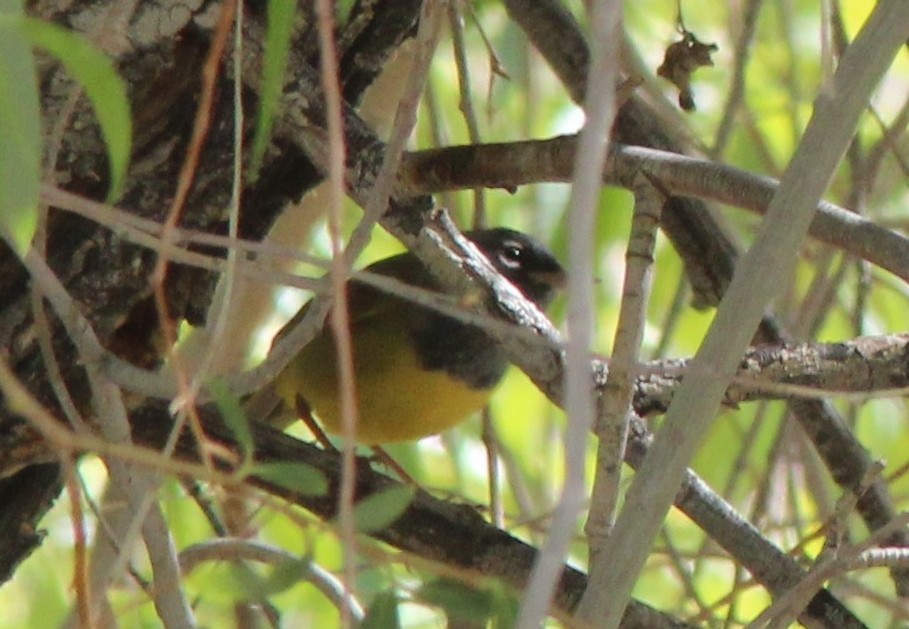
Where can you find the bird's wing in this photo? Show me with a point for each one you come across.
(365, 301)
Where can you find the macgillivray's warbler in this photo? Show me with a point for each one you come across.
(417, 371)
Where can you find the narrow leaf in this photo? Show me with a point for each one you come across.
(105, 89)
(287, 574)
(458, 600)
(381, 509)
(20, 133)
(383, 613)
(277, 47)
(234, 416)
(299, 477)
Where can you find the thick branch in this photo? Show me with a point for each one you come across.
(533, 161)
(862, 366)
(108, 276)
(457, 535)
(708, 254)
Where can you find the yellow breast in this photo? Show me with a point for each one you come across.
(397, 399)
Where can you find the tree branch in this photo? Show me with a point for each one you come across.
(469, 541)
(509, 165)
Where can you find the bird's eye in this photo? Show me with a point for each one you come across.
(511, 255)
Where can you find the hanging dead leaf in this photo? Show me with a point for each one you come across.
(682, 58)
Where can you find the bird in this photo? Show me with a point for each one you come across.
(417, 371)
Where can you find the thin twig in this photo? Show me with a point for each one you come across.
(600, 109)
(232, 549)
(201, 124)
(753, 286)
(743, 42)
(339, 318)
(618, 392)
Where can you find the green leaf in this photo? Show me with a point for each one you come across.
(466, 603)
(245, 583)
(299, 477)
(234, 416)
(457, 600)
(382, 613)
(286, 574)
(504, 608)
(241, 580)
(20, 130)
(381, 509)
(105, 89)
(274, 63)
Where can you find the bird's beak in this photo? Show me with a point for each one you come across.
(556, 279)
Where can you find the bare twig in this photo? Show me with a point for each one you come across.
(600, 108)
(754, 284)
(618, 391)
